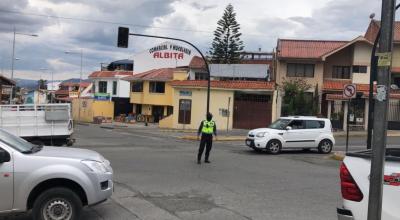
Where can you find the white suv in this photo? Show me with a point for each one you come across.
(293, 132)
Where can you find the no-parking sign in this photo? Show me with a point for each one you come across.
(349, 91)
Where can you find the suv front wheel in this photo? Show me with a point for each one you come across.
(274, 147)
(57, 203)
(325, 146)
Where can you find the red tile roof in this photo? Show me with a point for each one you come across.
(163, 74)
(338, 85)
(110, 74)
(306, 49)
(373, 30)
(257, 85)
(7, 80)
(197, 63)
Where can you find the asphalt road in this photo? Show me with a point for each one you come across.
(157, 178)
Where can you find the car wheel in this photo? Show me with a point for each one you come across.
(274, 147)
(325, 146)
(57, 203)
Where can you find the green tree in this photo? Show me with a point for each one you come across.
(42, 84)
(296, 100)
(226, 46)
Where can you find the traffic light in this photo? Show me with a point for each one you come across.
(123, 37)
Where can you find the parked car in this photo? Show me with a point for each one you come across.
(291, 133)
(354, 181)
(53, 182)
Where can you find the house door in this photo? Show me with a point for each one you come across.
(252, 111)
(185, 111)
(157, 112)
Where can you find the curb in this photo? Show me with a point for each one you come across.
(224, 138)
(338, 155)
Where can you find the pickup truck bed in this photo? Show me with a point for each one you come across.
(354, 175)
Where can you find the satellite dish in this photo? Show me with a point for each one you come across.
(372, 16)
(394, 87)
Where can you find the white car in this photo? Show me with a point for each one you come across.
(291, 133)
(354, 182)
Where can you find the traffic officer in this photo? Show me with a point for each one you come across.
(207, 128)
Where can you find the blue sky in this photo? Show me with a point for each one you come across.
(262, 23)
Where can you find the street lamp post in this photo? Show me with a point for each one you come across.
(80, 80)
(13, 57)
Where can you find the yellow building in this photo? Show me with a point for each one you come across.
(234, 104)
(152, 94)
(86, 109)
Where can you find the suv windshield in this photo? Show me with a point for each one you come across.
(15, 142)
(280, 124)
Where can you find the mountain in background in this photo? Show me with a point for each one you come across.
(32, 84)
(26, 83)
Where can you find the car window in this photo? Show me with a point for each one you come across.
(280, 124)
(313, 124)
(297, 124)
(14, 141)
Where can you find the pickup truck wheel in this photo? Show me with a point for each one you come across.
(325, 146)
(274, 147)
(57, 204)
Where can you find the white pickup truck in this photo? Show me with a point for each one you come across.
(46, 124)
(354, 176)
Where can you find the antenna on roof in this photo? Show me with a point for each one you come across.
(372, 16)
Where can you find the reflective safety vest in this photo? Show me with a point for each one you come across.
(208, 127)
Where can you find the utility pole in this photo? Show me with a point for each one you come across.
(380, 110)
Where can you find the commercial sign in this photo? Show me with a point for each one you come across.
(164, 55)
(102, 96)
(185, 93)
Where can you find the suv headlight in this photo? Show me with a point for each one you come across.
(95, 166)
(261, 134)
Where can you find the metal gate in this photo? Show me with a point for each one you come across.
(252, 111)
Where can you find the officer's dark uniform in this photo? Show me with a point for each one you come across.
(207, 129)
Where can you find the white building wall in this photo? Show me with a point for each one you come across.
(123, 87)
(362, 57)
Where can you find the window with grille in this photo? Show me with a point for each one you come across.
(341, 72)
(300, 70)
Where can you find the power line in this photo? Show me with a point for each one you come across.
(115, 23)
(100, 21)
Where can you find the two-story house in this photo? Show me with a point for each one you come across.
(109, 85)
(71, 89)
(152, 94)
(327, 66)
(6, 86)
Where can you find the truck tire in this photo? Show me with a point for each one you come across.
(57, 203)
(325, 146)
(274, 147)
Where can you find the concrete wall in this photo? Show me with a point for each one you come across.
(219, 100)
(396, 56)
(341, 58)
(362, 57)
(148, 98)
(86, 109)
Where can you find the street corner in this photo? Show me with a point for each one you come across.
(338, 155)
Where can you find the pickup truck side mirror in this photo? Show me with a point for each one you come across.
(288, 128)
(4, 156)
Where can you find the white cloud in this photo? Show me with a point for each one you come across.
(262, 22)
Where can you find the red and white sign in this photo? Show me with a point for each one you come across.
(164, 55)
(349, 91)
